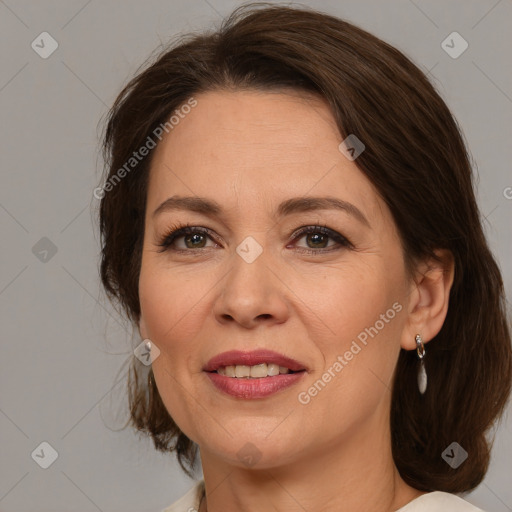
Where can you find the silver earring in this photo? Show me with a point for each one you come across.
(147, 345)
(422, 373)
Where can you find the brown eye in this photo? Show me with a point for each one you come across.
(193, 238)
(318, 239)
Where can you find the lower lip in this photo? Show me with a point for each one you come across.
(249, 389)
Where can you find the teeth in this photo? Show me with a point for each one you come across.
(254, 372)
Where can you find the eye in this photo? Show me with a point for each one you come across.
(186, 238)
(193, 237)
(318, 237)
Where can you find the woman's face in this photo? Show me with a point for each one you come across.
(253, 281)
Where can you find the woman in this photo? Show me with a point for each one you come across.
(288, 217)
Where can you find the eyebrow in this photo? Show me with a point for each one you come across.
(294, 205)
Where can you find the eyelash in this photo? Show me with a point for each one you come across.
(178, 230)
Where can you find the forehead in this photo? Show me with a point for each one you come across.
(254, 147)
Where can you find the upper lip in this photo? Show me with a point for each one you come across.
(252, 358)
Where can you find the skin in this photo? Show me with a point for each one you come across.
(250, 150)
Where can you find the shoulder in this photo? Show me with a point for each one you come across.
(438, 501)
(189, 502)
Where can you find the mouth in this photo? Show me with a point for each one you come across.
(256, 364)
(253, 375)
(258, 371)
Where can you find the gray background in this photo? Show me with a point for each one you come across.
(64, 350)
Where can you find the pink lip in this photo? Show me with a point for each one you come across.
(254, 388)
(236, 357)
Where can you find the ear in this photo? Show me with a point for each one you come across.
(428, 299)
(142, 328)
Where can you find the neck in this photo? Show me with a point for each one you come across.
(355, 474)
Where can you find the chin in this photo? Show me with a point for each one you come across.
(255, 450)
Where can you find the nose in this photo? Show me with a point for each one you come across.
(252, 294)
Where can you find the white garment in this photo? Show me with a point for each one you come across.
(436, 501)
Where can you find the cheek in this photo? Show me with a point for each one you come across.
(170, 307)
(170, 301)
(346, 298)
(357, 358)
(360, 311)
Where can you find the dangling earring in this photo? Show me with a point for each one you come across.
(422, 373)
(147, 346)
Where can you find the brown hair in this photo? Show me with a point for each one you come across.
(416, 158)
